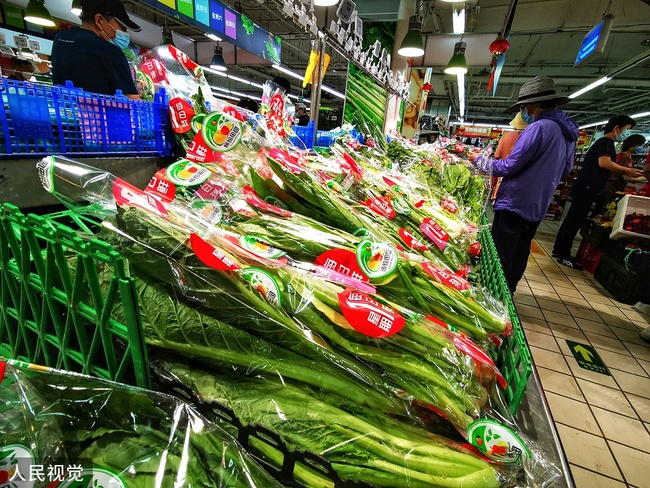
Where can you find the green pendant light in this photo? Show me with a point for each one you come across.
(75, 9)
(218, 62)
(37, 13)
(412, 44)
(457, 64)
(167, 37)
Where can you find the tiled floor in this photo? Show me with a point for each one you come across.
(603, 421)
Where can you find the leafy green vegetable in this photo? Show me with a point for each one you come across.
(361, 443)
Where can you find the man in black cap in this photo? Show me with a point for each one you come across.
(91, 56)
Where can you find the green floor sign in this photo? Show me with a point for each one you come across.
(587, 357)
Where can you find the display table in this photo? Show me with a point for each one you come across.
(20, 184)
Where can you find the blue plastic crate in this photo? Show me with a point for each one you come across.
(304, 136)
(39, 120)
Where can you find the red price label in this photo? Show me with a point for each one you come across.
(126, 194)
(433, 231)
(342, 261)
(287, 160)
(211, 256)
(155, 69)
(234, 113)
(252, 198)
(368, 316)
(199, 152)
(449, 205)
(161, 187)
(381, 206)
(350, 164)
(211, 190)
(182, 58)
(411, 241)
(181, 114)
(445, 277)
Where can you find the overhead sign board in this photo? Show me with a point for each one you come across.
(594, 42)
(213, 17)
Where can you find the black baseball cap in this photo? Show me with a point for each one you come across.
(109, 8)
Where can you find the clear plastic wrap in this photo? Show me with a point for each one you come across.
(64, 429)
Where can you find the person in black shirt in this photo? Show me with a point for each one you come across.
(599, 161)
(301, 114)
(91, 57)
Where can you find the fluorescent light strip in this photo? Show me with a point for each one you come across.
(237, 78)
(458, 19)
(593, 124)
(229, 97)
(214, 37)
(298, 77)
(591, 86)
(640, 115)
(460, 79)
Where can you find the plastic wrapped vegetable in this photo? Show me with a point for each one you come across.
(362, 444)
(64, 429)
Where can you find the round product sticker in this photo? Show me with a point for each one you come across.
(260, 247)
(146, 82)
(264, 283)
(209, 211)
(15, 464)
(496, 441)
(221, 133)
(187, 173)
(197, 122)
(376, 259)
(276, 202)
(401, 206)
(91, 478)
(399, 191)
(334, 186)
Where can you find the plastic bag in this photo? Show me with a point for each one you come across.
(64, 429)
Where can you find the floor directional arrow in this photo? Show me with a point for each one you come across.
(585, 353)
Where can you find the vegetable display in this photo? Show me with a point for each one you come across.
(315, 294)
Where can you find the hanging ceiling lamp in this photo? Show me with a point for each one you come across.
(218, 62)
(457, 64)
(412, 44)
(37, 13)
(167, 37)
(325, 3)
(75, 8)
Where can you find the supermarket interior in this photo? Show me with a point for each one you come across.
(324, 243)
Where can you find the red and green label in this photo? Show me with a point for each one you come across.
(368, 316)
(221, 133)
(265, 284)
(376, 259)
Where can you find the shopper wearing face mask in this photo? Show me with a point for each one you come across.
(91, 56)
(541, 158)
(22, 70)
(599, 162)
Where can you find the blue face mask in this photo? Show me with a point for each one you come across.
(623, 135)
(122, 39)
(526, 117)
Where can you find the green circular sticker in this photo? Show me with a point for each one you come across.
(399, 191)
(95, 477)
(186, 173)
(334, 186)
(197, 122)
(497, 441)
(260, 247)
(264, 283)
(362, 232)
(376, 259)
(209, 211)
(276, 202)
(401, 206)
(221, 133)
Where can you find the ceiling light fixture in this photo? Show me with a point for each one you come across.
(591, 86)
(325, 3)
(412, 45)
(37, 13)
(218, 62)
(214, 37)
(298, 77)
(458, 21)
(640, 115)
(457, 64)
(593, 124)
(75, 8)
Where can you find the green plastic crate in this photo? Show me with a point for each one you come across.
(53, 310)
(513, 357)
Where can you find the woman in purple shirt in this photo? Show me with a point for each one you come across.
(541, 158)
